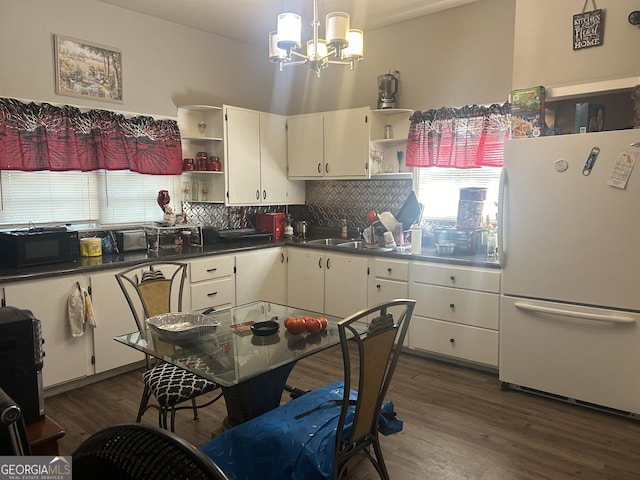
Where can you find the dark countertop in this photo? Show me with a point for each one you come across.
(84, 265)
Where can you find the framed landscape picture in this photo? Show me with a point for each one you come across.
(88, 70)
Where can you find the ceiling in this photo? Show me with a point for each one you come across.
(250, 21)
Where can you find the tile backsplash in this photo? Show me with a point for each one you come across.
(328, 201)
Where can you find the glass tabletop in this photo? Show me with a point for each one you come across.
(230, 353)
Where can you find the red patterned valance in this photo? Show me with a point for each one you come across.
(467, 137)
(44, 137)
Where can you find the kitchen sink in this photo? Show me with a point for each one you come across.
(328, 241)
(360, 245)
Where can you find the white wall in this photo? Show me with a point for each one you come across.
(543, 47)
(452, 58)
(455, 57)
(164, 64)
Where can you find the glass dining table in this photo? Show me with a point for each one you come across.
(251, 369)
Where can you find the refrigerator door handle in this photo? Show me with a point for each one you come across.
(572, 313)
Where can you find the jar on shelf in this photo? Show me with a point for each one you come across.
(188, 165)
(204, 193)
(201, 161)
(213, 164)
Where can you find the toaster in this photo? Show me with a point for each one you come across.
(131, 240)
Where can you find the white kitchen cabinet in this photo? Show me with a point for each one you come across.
(329, 145)
(66, 358)
(212, 282)
(256, 159)
(389, 280)
(276, 187)
(305, 145)
(261, 275)
(457, 311)
(201, 130)
(335, 284)
(305, 279)
(113, 317)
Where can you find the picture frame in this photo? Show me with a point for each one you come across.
(87, 69)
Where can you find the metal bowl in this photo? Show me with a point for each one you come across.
(445, 248)
(180, 327)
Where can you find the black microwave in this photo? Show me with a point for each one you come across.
(38, 246)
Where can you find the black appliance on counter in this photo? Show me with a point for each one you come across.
(38, 246)
(21, 357)
(212, 236)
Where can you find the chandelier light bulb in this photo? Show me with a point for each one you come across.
(337, 28)
(289, 30)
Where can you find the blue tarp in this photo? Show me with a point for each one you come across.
(277, 446)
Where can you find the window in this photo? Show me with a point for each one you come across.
(81, 197)
(438, 189)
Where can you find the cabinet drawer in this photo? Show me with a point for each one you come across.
(459, 341)
(391, 269)
(466, 307)
(216, 293)
(211, 267)
(471, 278)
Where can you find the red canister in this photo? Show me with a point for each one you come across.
(188, 165)
(201, 160)
(213, 164)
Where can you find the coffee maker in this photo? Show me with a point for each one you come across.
(387, 90)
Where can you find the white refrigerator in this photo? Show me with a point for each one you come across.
(569, 246)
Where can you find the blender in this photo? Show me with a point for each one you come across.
(387, 90)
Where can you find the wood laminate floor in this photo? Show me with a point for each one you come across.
(458, 424)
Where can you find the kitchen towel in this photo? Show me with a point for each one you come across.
(79, 311)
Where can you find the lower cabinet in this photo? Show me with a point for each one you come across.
(66, 357)
(113, 318)
(335, 284)
(261, 275)
(388, 280)
(457, 312)
(212, 282)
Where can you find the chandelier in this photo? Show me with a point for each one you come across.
(343, 46)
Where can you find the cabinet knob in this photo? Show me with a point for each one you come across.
(452, 340)
(211, 270)
(319, 263)
(319, 168)
(328, 265)
(452, 278)
(378, 286)
(282, 258)
(452, 306)
(257, 194)
(212, 294)
(389, 270)
(326, 168)
(264, 194)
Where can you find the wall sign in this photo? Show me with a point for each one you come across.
(588, 28)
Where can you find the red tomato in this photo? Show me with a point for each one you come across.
(287, 320)
(323, 321)
(295, 325)
(312, 324)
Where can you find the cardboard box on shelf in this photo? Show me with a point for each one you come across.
(590, 117)
(527, 112)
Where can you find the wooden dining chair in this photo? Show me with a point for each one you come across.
(316, 435)
(152, 289)
(141, 452)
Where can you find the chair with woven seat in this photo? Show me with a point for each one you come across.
(141, 452)
(317, 434)
(152, 289)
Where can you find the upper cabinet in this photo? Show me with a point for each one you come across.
(255, 148)
(388, 141)
(329, 145)
(201, 130)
